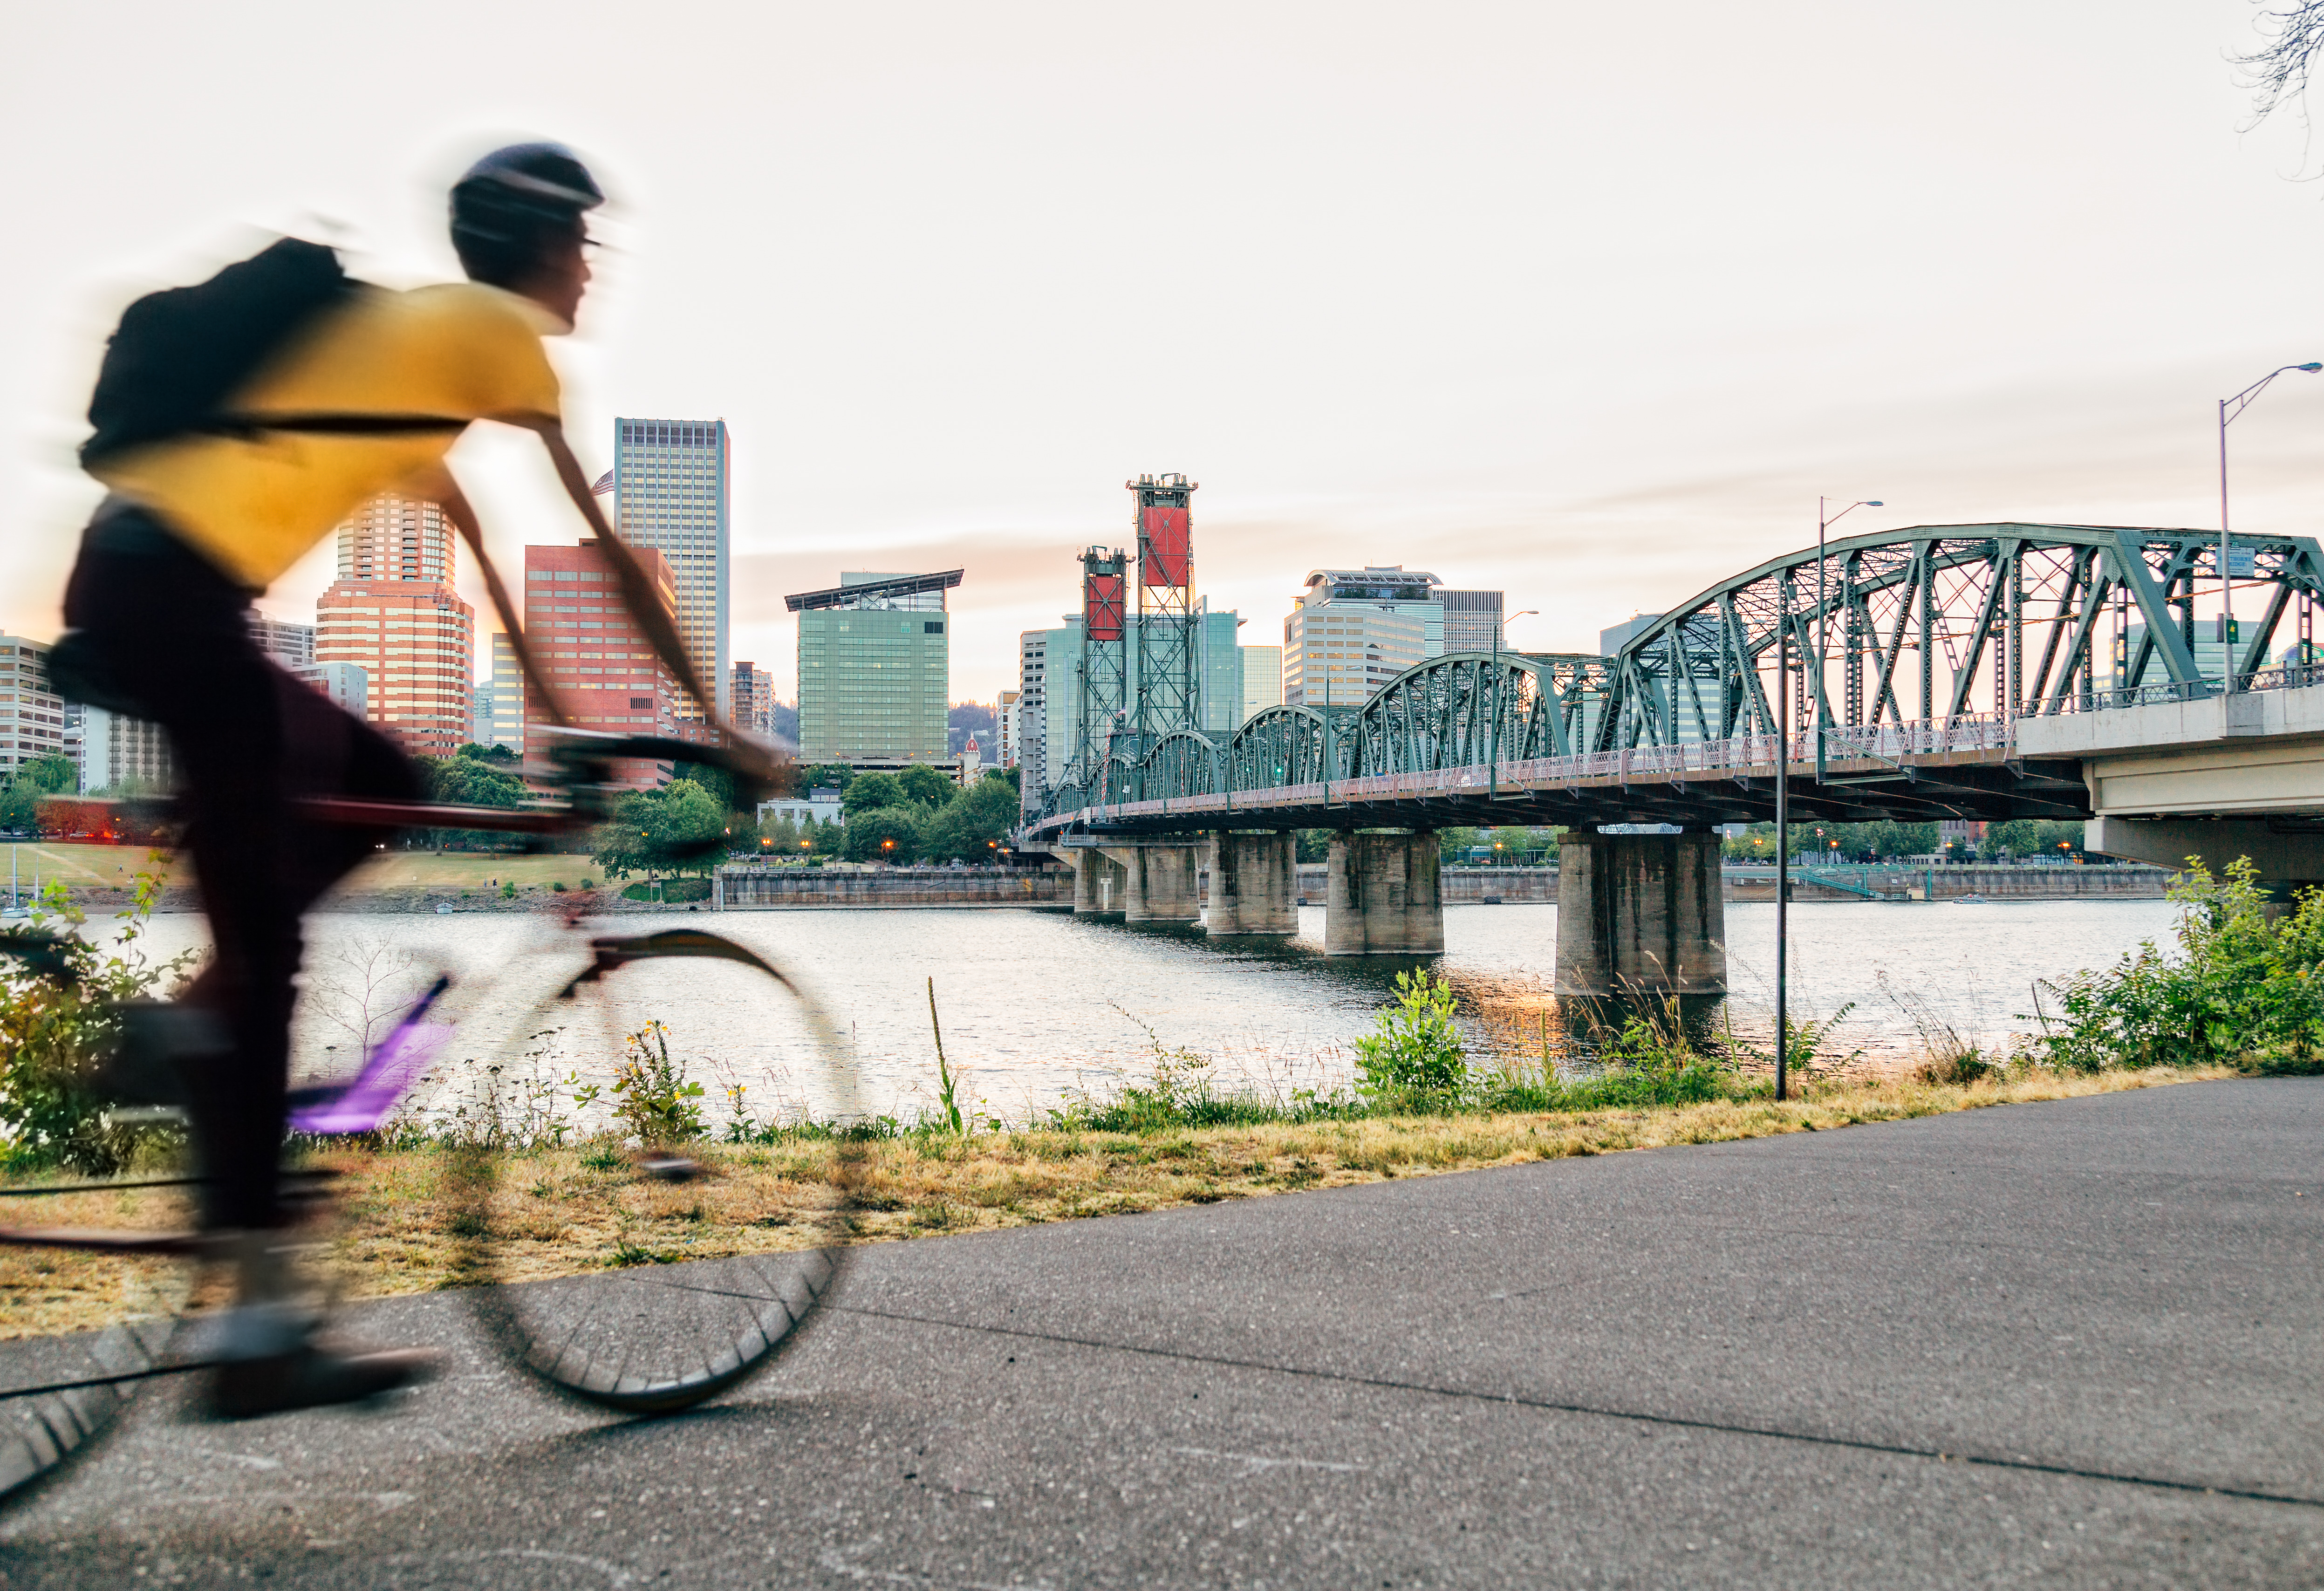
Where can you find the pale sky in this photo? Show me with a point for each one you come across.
(1586, 302)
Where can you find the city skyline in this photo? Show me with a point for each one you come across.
(1575, 357)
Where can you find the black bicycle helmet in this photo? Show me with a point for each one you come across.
(515, 201)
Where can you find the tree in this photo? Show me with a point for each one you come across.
(927, 786)
(887, 833)
(667, 829)
(466, 781)
(870, 792)
(970, 827)
(826, 776)
(52, 775)
(1452, 844)
(483, 753)
(19, 807)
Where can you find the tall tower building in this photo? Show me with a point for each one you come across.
(32, 714)
(392, 613)
(393, 537)
(670, 494)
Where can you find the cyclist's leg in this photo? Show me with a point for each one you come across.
(172, 636)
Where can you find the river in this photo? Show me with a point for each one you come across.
(1035, 1003)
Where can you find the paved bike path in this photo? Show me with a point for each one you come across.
(2074, 1343)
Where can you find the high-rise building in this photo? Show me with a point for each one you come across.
(1610, 642)
(670, 494)
(1032, 708)
(753, 696)
(291, 645)
(1218, 707)
(596, 659)
(120, 755)
(1473, 621)
(1339, 654)
(874, 669)
(393, 614)
(343, 685)
(1262, 680)
(397, 538)
(1008, 726)
(32, 716)
(506, 725)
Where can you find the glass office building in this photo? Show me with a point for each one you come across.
(670, 484)
(874, 668)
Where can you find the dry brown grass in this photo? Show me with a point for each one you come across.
(407, 1218)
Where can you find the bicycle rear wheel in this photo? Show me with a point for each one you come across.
(95, 1278)
(637, 1264)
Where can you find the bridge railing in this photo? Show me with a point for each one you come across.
(1888, 744)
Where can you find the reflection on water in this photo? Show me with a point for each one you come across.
(1036, 1003)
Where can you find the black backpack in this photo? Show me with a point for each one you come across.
(179, 353)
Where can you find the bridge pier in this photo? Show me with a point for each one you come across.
(1254, 883)
(1383, 898)
(1640, 912)
(1099, 884)
(1157, 883)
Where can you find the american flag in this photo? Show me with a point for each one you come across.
(604, 484)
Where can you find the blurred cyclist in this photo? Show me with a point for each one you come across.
(367, 397)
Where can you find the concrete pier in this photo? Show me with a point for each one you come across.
(1640, 914)
(1383, 896)
(1159, 883)
(1099, 884)
(1253, 878)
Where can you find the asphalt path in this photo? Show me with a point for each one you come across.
(2077, 1343)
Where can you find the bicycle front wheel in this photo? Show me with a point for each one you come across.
(669, 1241)
(96, 1276)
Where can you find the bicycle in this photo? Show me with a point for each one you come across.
(637, 1275)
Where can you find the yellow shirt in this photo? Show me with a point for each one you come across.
(254, 504)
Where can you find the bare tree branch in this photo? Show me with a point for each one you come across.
(2279, 72)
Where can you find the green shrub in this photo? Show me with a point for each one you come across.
(55, 1032)
(652, 1095)
(2243, 989)
(1417, 1052)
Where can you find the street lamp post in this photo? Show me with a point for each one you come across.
(1823, 522)
(1783, 790)
(1493, 718)
(2229, 409)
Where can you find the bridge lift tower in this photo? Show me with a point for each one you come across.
(1167, 668)
(1102, 699)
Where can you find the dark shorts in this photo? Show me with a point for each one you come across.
(157, 631)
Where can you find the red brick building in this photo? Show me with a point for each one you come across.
(602, 668)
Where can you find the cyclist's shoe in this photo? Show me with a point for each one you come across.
(309, 1377)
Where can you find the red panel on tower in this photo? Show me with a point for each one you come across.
(1101, 607)
(1163, 553)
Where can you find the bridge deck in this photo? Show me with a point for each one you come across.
(1965, 767)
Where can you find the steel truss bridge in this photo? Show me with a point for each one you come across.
(1911, 655)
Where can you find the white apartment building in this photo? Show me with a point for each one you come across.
(506, 726)
(31, 716)
(119, 753)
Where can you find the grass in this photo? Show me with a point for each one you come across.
(114, 866)
(406, 1229)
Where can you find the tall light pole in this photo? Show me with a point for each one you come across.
(2229, 408)
(1825, 520)
(1783, 791)
(1493, 718)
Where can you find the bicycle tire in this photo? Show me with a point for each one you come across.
(125, 1284)
(622, 1276)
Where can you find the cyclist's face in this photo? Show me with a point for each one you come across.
(561, 280)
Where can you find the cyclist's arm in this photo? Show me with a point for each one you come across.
(439, 487)
(637, 591)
